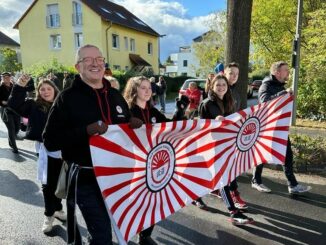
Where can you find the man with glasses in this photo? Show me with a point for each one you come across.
(272, 87)
(82, 110)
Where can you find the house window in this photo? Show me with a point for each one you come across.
(53, 17)
(132, 45)
(78, 40)
(149, 48)
(77, 14)
(185, 63)
(184, 74)
(126, 43)
(55, 41)
(115, 41)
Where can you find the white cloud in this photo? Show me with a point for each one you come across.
(170, 19)
(167, 18)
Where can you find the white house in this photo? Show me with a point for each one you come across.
(185, 63)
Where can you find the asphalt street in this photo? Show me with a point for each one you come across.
(279, 217)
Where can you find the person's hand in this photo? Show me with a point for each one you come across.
(219, 118)
(98, 127)
(135, 122)
(23, 80)
(289, 90)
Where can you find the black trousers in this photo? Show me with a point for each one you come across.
(287, 168)
(91, 204)
(51, 202)
(12, 122)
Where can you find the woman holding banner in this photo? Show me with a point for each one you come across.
(138, 94)
(218, 104)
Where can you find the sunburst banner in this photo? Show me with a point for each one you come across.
(149, 173)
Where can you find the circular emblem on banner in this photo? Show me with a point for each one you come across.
(160, 166)
(119, 109)
(248, 134)
(153, 119)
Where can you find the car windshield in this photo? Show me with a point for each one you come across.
(200, 83)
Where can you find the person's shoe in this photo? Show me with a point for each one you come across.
(61, 215)
(19, 137)
(238, 202)
(238, 218)
(47, 224)
(146, 241)
(216, 193)
(200, 204)
(299, 189)
(15, 150)
(260, 187)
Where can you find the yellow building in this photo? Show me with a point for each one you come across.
(57, 28)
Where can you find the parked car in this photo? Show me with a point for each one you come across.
(250, 91)
(256, 84)
(200, 84)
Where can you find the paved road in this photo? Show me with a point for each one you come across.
(280, 218)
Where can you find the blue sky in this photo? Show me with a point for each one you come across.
(179, 20)
(201, 7)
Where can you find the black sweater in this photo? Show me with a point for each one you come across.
(36, 114)
(211, 107)
(151, 115)
(73, 110)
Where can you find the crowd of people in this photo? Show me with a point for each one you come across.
(61, 123)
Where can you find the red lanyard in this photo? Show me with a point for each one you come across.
(106, 120)
(145, 117)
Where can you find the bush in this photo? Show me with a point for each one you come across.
(258, 74)
(312, 99)
(308, 153)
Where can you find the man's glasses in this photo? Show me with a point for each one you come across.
(90, 60)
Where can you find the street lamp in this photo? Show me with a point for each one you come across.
(296, 59)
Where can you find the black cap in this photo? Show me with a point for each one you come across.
(6, 74)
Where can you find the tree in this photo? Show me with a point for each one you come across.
(210, 49)
(238, 41)
(272, 34)
(9, 60)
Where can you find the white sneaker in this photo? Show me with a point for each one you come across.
(299, 189)
(61, 215)
(47, 224)
(260, 187)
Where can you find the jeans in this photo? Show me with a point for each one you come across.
(287, 168)
(51, 202)
(162, 101)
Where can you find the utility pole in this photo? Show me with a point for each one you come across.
(296, 59)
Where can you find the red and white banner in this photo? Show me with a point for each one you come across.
(149, 173)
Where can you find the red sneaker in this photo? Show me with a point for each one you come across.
(238, 202)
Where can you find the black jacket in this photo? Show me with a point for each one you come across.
(73, 110)
(36, 114)
(270, 89)
(236, 97)
(211, 107)
(151, 115)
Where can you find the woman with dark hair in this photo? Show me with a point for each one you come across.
(138, 94)
(49, 163)
(217, 105)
